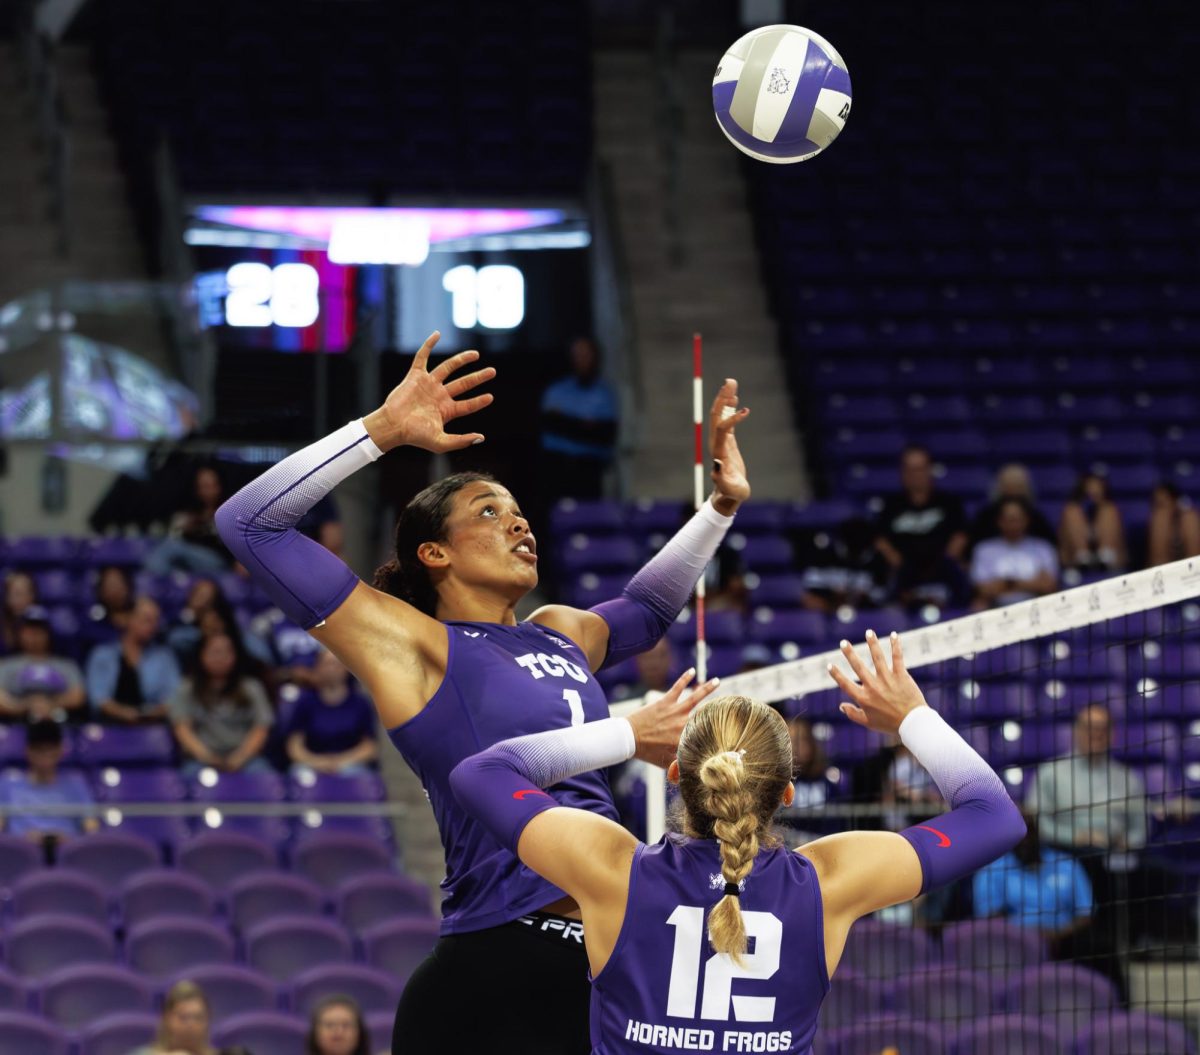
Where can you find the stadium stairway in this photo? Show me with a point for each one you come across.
(671, 274)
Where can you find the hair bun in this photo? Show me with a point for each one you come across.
(723, 771)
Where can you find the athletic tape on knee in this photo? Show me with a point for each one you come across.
(655, 596)
(984, 822)
(258, 524)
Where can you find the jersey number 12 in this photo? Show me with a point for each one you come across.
(720, 970)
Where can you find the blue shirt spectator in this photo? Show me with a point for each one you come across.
(130, 680)
(1050, 894)
(43, 785)
(332, 727)
(579, 425)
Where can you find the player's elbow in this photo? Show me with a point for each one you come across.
(227, 522)
(1010, 824)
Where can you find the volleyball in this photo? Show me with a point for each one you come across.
(781, 94)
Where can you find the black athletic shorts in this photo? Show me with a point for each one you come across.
(521, 988)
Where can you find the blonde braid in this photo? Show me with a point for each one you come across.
(733, 808)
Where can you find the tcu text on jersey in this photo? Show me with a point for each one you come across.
(539, 665)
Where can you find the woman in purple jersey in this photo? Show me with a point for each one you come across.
(667, 926)
(451, 670)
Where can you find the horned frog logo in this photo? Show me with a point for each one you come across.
(779, 83)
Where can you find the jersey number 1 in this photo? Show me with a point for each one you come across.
(719, 972)
(575, 702)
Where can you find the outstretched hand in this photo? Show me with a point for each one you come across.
(658, 726)
(418, 409)
(728, 468)
(885, 695)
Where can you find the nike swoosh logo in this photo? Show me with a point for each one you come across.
(524, 792)
(945, 839)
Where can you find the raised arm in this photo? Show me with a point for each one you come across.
(615, 630)
(861, 872)
(389, 645)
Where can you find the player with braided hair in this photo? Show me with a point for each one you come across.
(672, 968)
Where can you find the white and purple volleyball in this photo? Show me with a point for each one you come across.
(781, 94)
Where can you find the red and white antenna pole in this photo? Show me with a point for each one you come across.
(698, 483)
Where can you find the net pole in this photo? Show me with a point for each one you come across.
(698, 488)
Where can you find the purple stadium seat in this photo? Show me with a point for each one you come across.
(868, 481)
(12, 991)
(166, 945)
(815, 515)
(647, 517)
(992, 945)
(1140, 742)
(1019, 743)
(1115, 444)
(310, 786)
(127, 552)
(365, 900)
(139, 785)
(765, 554)
(377, 829)
(17, 856)
(283, 946)
(598, 553)
(56, 586)
(590, 516)
(850, 998)
(865, 446)
(881, 1032)
(212, 786)
(590, 589)
(164, 892)
(399, 945)
(34, 552)
(1031, 445)
(109, 856)
(1134, 1033)
(778, 590)
(947, 995)
(1004, 1034)
(777, 626)
(78, 995)
(12, 745)
(263, 1032)
(379, 1028)
(25, 1034)
(330, 858)
(231, 989)
(111, 745)
(1068, 995)
(37, 945)
(60, 890)
(848, 743)
(373, 989)
(886, 951)
(221, 857)
(260, 896)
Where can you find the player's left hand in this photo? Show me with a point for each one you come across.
(658, 726)
(728, 469)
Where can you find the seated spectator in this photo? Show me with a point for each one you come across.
(1090, 533)
(1174, 530)
(814, 781)
(192, 543)
(849, 571)
(332, 727)
(35, 683)
(579, 426)
(183, 1028)
(1012, 481)
(654, 669)
(43, 785)
(20, 592)
(922, 534)
(108, 617)
(1014, 566)
(337, 1028)
(130, 680)
(207, 612)
(220, 715)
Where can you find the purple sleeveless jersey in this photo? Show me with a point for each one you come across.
(664, 990)
(501, 681)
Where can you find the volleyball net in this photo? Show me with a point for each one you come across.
(1087, 703)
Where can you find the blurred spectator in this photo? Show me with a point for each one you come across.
(1090, 533)
(848, 571)
(922, 534)
(1043, 888)
(654, 669)
(35, 683)
(337, 1028)
(814, 780)
(1013, 567)
(579, 426)
(43, 785)
(130, 680)
(183, 1028)
(1174, 531)
(221, 716)
(20, 592)
(107, 618)
(907, 783)
(332, 727)
(207, 612)
(1012, 481)
(192, 543)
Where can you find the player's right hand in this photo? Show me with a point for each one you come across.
(417, 410)
(884, 696)
(658, 726)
